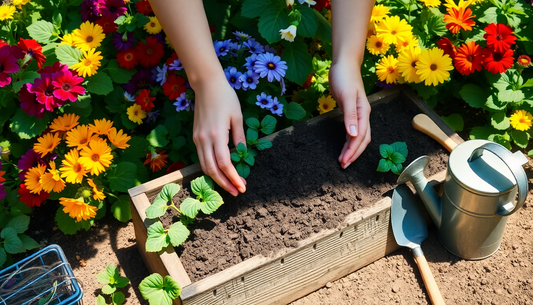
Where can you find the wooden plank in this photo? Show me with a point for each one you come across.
(158, 183)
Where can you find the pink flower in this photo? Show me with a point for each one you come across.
(113, 8)
(67, 86)
(8, 64)
(28, 102)
(52, 70)
(44, 91)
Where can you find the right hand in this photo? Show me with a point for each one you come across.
(217, 111)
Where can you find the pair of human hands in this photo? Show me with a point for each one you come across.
(218, 112)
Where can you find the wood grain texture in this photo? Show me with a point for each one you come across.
(429, 281)
(423, 123)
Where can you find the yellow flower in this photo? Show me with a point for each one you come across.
(6, 12)
(89, 64)
(46, 143)
(410, 41)
(328, 15)
(371, 30)
(72, 170)
(378, 13)
(376, 45)
(78, 209)
(136, 114)
(65, 122)
(52, 181)
(393, 29)
(88, 36)
(288, 33)
(387, 70)
(68, 39)
(169, 44)
(119, 139)
(101, 127)
(521, 120)
(32, 179)
(433, 66)
(431, 3)
(96, 156)
(98, 194)
(19, 3)
(153, 26)
(407, 64)
(464, 4)
(326, 104)
(80, 136)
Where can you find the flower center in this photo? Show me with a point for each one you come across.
(83, 141)
(522, 121)
(271, 66)
(390, 70)
(175, 88)
(129, 57)
(413, 64)
(31, 52)
(499, 37)
(90, 38)
(95, 157)
(48, 92)
(249, 80)
(76, 168)
(136, 113)
(183, 103)
(325, 106)
(275, 107)
(222, 49)
(264, 102)
(65, 87)
(393, 32)
(152, 24)
(379, 44)
(497, 56)
(146, 100)
(232, 79)
(149, 51)
(433, 67)
(87, 62)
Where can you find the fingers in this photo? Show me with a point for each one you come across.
(356, 146)
(237, 131)
(210, 167)
(350, 117)
(223, 160)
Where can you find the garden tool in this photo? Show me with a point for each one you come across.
(409, 228)
(482, 180)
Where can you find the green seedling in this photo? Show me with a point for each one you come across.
(243, 159)
(112, 281)
(158, 290)
(393, 157)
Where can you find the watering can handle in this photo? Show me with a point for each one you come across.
(516, 169)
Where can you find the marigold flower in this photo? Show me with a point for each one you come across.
(96, 156)
(289, 33)
(469, 58)
(378, 13)
(6, 12)
(72, 170)
(136, 114)
(409, 41)
(497, 62)
(157, 160)
(387, 70)
(89, 63)
(98, 194)
(88, 36)
(118, 139)
(68, 39)
(153, 26)
(326, 104)
(407, 64)
(77, 209)
(433, 66)
(46, 143)
(458, 19)
(52, 181)
(65, 122)
(393, 29)
(80, 136)
(101, 127)
(524, 61)
(521, 120)
(376, 46)
(19, 3)
(32, 179)
(499, 37)
(431, 3)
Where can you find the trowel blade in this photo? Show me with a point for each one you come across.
(408, 224)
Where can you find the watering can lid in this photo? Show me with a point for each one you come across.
(486, 174)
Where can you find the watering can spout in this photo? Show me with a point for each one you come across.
(414, 173)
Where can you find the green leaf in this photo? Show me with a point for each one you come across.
(271, 21)
(157, 136)
(169, 191)
(25, 78)
(397, 158)
(249, 159)
(115, 101)
(107, 289)
(400, 147)
(474, 95)
(253, 123)
(157, 209)
(138, 148)
(211, 202)
(42, 31)
(309, 23)
(323, 31)
(68, 55)
(178, 233)
(159, 291)
(396, 168)
(235, 157)
(493, 103)
(384, 165)
(19, 223)
(118, 298)
(157, 238)
(190, 207)
(69, 225)
(178, 142)
(268, 124)
(385, 150)
(520, 138)
(241, 148)
(3, 256)
(243, 170)
(511, 96)
(119, 75)
(105, 277)
(500, 121)
(528, 83)
(121, 281)
(28, 243)
(121, 208)
(12, 243)
(202, 184)
(251, 135)
(455, 121)
(482, 132)
(100, 300)
(263, 144)
(294, 111)
(122, 177)
(490, 15)
(100, 83)
(255, 8)
(27, 126)
(299, 61)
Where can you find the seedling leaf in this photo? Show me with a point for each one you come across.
(396, 168)
(384, 165)
(211, 201)
(169, 191)
(235, 157)
(202, 184)
(397, 158)
(100, 300)
(241, 148)
(108, 289)
(178, 233)
(268, 124)
(157, 238)
(159, 291)
(385, 150)
(400, 147)
(190, 206)
(251, 135)
(157, 208)
(122, 281)
(263, 144)
(253, 123)
(250, 160)
(243, 170)
(118, 298)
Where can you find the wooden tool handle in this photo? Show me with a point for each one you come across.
(426, 125)
(429, 281)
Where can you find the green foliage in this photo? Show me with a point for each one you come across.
(158, 290)
(100, 83)
(299, 61)
(392, 157)
(42, 31)
(112, 281)
(121, 208)
(68, 55)
(242, 159)
(13, 224)
(122, 177)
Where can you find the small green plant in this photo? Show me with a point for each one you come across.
(111, 280)
(244, 157)
(393, 157)
(158, 290)
(208, 201)
(12, 237)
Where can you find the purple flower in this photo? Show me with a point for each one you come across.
(152, 116)
(250, 61)
(233, 77)
(250, 79)
(253, 46)
(123, 42)
(90, 10)
(271, 66)
(384, 85)
(222, 47)
(175, 66)
(139, 80)
(182, 103)
(241, 36)
(159, 37)
(277, 107)
(2, 191)
(113, 9)
(161, 74)
(27, 161)
(264, 101)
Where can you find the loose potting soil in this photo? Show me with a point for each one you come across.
(297, 188)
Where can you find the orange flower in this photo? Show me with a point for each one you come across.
(52, 181)
(458, 19)
(2, 173)
(98, 194)
(469, 58)
(33, 178)
(156, 160)
(47, 143)
(77, 209)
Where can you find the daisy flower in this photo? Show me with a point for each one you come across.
(497, 62)
(129, 97)
(431, 3)
(145, 100)
(376, 46)
(127, 59)
(270, 66)
(113, 8)
(222, 47)
(378, 13)
(80, 136)
(174, 86)
(161, 75)
(433, 66)
(458, 19)
(153, 26)
(249, 79)
(89, 63)
(253, 46)
(32, 179)
(75, 208)
(6, 12)
(182, 103)
(326, 104)
(521, 120)
(157, 160)
(46, 143)
(407, 64)
(264, 101)
(524, 61)
(88, 36)
(393, 29)
(277, 107)
(150, 53)
(118, 138)
(469, 58)
(96, 156)
(72, 170)
(101, 127)
(499, 37)
(51, 181)
(136, 114)
(65, 122)
(67, 86)
(233, 77)
(98, 194)
(387, 70)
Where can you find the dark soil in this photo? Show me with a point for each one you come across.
(297, 188)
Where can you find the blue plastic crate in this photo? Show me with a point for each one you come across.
(45, 274)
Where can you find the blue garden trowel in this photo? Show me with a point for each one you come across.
(409, 228)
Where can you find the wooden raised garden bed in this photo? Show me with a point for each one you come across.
(364, 236)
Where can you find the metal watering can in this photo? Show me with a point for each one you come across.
(482, 182)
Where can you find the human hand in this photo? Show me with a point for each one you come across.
(348, 90)
(217, 111)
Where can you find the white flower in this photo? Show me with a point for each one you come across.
(128, 97)
(161, 74)
(288, 33)
(309, 2)
(289, 2)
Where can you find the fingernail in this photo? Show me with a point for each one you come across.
(243, 180)
(353, 131)
(346, 166)
(242, 189)
(234, 194)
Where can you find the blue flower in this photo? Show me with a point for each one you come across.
(233, 77)
(271, 66)
(182, 103)
(250, 79)
(241, 36)
(234, 48)
(264, 101)
(270, 49)
(175, 66)
(250, 62)
(222, 47)
(253, 46)
(152, 116)
(277, 107)
(161, 75)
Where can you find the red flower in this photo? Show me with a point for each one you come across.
(144, 7)
(8, 64)
(447, 46)
(497, 62)
(524, 61)
(44, 91)
(3, 43)
(175, 166)
(150, 54)
(144, 100)
(157, 160)
(174, 86)
(127, 59)
(458, 19)
(468, 58)
(31, 48)
(320, 4)
(499, 37)
(30, 199)
(52, 70)
(108, 24)
(28, 102)
(67, 86)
